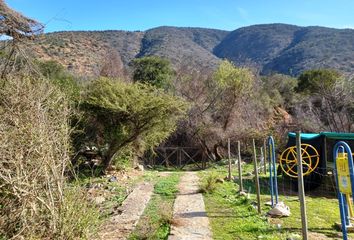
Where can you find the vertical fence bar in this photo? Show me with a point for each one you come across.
(239, 166)
(257, 178)
(229, 155)
(272, 171)
(301, 190)
(265, 157)
(262, 159)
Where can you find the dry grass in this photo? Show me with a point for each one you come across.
(34, 155)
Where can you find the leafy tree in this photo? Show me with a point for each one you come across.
(327, 98)
(317, 81)
(120, 114)
(153, 70)
(280, 89)
(223, 106)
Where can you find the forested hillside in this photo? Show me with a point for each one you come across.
(270, 48)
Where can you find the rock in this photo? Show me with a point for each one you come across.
(219, 180)
(294, 237)
(280, 210)
(99, 200)
(113, 179)
(249, 174)
(91, 191)
(254, 205)
(139, 167)
(243, 194)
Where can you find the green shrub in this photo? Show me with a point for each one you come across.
(122, 115)
(209, 184)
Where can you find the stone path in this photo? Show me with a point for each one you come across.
(121, 225)
(189, 217)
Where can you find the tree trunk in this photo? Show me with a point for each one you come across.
(218, 157)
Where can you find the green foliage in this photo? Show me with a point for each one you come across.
(208, 184)
(318, 81)
(156, 220)
(79, 218)
(121, 115)
(228, 76)
(153, 70)
(167, 186)
(233, 217)
(280, 89)
(57, 74)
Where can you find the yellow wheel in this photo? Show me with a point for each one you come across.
(310, 160)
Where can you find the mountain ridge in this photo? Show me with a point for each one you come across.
(269, 48)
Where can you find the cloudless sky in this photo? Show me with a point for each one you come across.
(60, 15)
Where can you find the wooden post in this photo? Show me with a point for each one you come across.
(301, 190)
(257, 179)
(265, 157)
(262, 158)
(239, 166)
(229, 155)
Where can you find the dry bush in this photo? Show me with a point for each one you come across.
(34, 148)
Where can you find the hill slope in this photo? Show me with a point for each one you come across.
(270, 48)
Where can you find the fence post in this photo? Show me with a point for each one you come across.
(265, 156)
(262, 159)
(257, 179)
(301, 190)
(229, 155)
(239, 166)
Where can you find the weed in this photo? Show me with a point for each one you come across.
(208, 184)
(78, 217)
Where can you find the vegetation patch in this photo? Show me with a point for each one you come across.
(156, 220)
(235, 217)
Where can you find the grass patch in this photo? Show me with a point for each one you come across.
(208, 184)
(233, 217)
(156, 219)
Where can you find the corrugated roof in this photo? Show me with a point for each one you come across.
(331, 135)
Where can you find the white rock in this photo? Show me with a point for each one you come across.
(99, 200)
(280, 210)
(139, 167)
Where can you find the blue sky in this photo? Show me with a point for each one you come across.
(221, 14)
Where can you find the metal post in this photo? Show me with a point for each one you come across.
(272, 171)
(343, 147)
(229, 155)
(239, 166)
(301, 190)
(257, 178)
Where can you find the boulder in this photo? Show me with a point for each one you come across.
(279, 210)
(139, 167)
(219, 180)
(99, 200)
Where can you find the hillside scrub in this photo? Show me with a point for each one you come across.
(153, 70)
(226, 103)
(121, 116)
(326, 101)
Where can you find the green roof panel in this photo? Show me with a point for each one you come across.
(331, 135)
